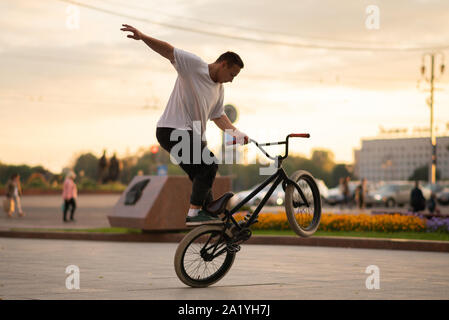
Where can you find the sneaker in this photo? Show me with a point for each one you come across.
(203, 217)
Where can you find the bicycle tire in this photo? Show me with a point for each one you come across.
(293, 203)
(180, 258)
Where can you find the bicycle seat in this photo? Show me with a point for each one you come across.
(219, 205)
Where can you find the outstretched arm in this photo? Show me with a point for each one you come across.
(163, 48)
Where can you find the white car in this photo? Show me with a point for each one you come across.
(335, 196)
(394, 194)
(277, 197)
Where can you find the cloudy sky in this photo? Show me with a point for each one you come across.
(72, 82)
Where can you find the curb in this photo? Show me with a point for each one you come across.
(37, 192)
(341, 242)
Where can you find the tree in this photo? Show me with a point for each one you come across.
(36, 180)
(422, 173)
(23, 170)
(88, 163)
(323, 159)
(339, 171)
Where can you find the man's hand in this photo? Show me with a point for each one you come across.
(239, 138)
(137, 35)
(163, 48)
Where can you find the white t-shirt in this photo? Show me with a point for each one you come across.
(195, 97)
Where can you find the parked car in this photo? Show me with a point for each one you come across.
(324, 191)
(441, 190)
(335, 196)
(394, 194)
(276, 199)
(437, 187)
(443, 196)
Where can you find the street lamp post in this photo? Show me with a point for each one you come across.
(430, 101)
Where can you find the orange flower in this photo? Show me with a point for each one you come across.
(343, 222)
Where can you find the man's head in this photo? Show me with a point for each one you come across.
(228, 67)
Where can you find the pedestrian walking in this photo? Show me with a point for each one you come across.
(417, 200)
(344, 189)
(69, 195)
(360, 194)
(13, 194)
(432, 204)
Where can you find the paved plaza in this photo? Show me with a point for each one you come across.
(44, 211)
(36, 269)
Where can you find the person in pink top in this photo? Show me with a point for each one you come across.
(69, 194)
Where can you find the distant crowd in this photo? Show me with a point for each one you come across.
(417, 201)
(108, 171)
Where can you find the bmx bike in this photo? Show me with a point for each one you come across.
(207, 253)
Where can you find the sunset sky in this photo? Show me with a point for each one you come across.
(72, 82)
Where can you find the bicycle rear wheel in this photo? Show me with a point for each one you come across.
(202, 258)
(303, 211)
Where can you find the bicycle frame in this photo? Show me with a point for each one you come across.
(278, 177)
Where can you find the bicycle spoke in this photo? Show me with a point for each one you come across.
(304, 211)
(205, 256)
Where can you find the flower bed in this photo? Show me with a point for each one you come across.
(360, 222)
(438, 225)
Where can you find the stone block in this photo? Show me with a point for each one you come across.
(163, 203)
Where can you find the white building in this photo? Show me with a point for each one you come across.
(397, 158)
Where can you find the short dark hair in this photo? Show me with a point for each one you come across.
(231, 58)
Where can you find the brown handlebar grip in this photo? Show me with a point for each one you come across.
(299, 135)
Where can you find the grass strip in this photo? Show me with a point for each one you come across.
(368, 234)
(383, 235)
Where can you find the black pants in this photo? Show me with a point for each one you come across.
(69, 203)
(201, 174)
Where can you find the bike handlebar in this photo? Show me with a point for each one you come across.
(299, 135)
(291, 135)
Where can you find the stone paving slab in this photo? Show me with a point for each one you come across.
(44, 211)
(35, 269)
(345, 242)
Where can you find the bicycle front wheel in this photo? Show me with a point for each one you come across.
(202, 258)
(303, 208)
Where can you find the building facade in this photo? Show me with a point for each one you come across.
(397, 158)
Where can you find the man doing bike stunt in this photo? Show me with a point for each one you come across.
(196, 98)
